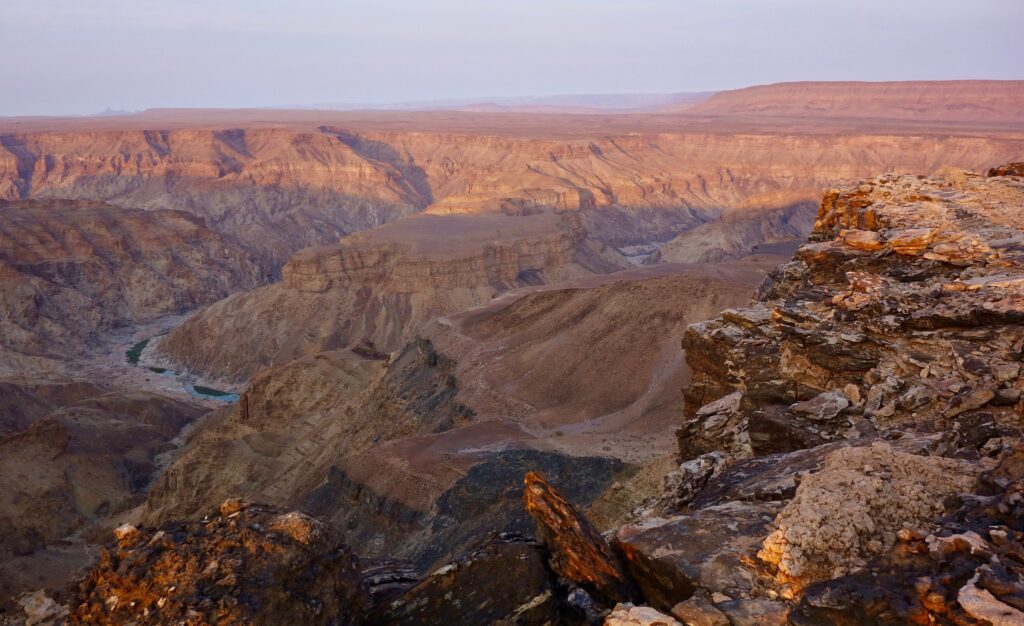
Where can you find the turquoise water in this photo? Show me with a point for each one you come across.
(135, 351)
(216, 394)
(133, 354)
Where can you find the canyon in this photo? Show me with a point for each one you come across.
(849, 452)
(72, 269)
(419, 308)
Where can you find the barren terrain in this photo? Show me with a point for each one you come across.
(417, 308)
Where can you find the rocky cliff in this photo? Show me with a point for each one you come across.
(277, 190)
(905, 304)
(851, 444)
(287, 180)
(375, 289)
(69, 269)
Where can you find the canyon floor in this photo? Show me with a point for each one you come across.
(354, 333)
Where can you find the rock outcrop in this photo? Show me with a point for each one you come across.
(579, 554)
(851, 444)
(904, 310)
(248, 565)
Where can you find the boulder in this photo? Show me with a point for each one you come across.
(823, 407)
(851, 510)
(699, 611)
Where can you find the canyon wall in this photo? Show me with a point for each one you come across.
(374, 289)
(420, 454)
(70, 269)
(279, 189)
(276, 190)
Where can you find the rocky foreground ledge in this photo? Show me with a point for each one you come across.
(851, 454)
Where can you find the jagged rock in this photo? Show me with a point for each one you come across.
(862, 239)
(254, 565)
(578, 552)
(717, 425)
(683, 484)
(670, 558)
(503, 581)
(986, 608)
(629, 615)
(387, 578)
(897, 301)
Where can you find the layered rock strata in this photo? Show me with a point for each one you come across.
(375, 289)
(904, 310)
(283, 180)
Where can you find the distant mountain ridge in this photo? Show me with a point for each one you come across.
(945, 100)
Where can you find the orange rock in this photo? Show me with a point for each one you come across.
(910, 240)
(862, 239)
(578, 551)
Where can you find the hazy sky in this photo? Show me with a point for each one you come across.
(81, 56)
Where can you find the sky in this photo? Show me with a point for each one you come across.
(84, 56)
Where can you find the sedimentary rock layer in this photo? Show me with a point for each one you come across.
(307, 179)
(375, 289)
